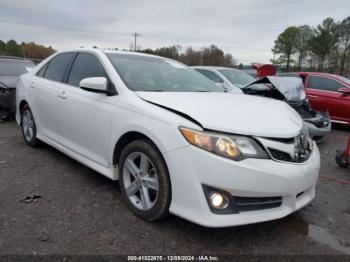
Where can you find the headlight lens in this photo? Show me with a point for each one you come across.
(233, 147)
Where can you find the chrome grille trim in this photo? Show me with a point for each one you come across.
(297, 152)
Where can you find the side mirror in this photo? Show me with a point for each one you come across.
(344, 90)
(94, 84)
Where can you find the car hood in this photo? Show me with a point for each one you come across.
(291, 88)
(8, 81)
(231, 113)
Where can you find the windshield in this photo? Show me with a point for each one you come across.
(145, 73)
(344, 79)
(237, 77)
(14, 67)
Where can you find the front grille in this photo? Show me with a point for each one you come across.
(285, 157)
(280, 155)
(295, 150)
(289, 140)
(256, 203)
(299, 194)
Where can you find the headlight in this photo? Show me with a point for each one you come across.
(233, 147)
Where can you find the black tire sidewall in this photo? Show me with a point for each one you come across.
(161, 207)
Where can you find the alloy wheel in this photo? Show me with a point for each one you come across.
(28, 125)
(140, 181)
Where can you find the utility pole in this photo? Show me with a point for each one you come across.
(135, 35)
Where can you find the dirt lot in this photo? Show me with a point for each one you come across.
(81, 212)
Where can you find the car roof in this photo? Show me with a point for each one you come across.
(214, 67)
(315, 73)
(111, 51)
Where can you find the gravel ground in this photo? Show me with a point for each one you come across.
(78, 211)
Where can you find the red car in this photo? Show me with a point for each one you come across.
(327, 92)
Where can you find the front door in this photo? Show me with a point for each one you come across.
(323, 95)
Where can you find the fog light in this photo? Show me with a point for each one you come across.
(218, 200)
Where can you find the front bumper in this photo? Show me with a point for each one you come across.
(317, 130)
(190, 168)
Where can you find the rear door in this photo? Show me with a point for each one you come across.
(84, 118)
(45, 88)
(323, 95)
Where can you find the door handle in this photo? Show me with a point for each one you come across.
(62, 94)
(32, 85)
(312, 96)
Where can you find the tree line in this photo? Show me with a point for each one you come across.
(27, 50)
(324, 48)
(211, 55)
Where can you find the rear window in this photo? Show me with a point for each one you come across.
(9, 67)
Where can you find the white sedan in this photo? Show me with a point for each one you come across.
(176, 142)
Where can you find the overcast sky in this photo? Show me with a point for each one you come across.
(246, 29)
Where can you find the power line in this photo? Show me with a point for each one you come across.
(135, 35)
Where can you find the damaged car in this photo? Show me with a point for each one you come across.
(10, 70)
(288, 89)
(291, 90)
(176, 142)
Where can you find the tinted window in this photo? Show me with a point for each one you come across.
(14, 67)
(346, 80)
(149, 73)
(323, 83)
(57, 67)
(211, 75)
(84, 66)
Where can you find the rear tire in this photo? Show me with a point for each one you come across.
(28, 127)
(144, 180)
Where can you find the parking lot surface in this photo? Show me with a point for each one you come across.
(51, 204)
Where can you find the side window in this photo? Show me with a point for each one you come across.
(57, 67)
(42, 70)
(323, 83)
(85, 65)
(211, 75)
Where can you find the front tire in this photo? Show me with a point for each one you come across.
(28, 127)
(144, 180)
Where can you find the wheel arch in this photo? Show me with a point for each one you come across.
(20, 108)
(22, 104)
(126, 139)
